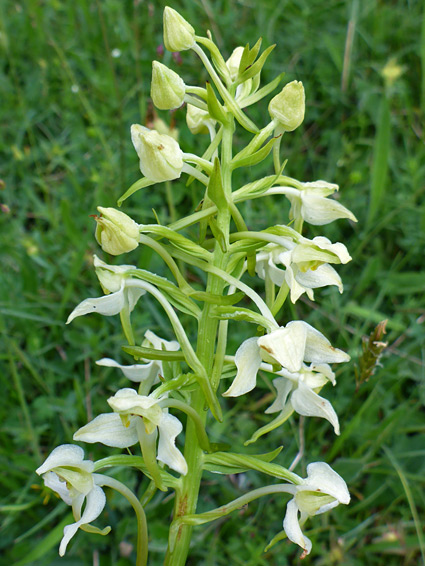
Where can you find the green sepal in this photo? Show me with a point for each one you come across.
(140, 184)
(217, 58)
(254, 158)
(141, 353)
(256, 67)
(262, 92)
(240, 313)
(215, 109)
(215, 188)
(218, 299)
(231, 463)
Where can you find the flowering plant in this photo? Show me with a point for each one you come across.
(190, 372)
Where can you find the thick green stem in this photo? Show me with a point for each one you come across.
(187, 496)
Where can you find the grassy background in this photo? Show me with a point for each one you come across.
(68, 98)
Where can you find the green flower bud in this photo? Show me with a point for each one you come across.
(167, 88)
(234, 61)
(179, 35)
(116, 232)
(161, 158)
(197, 119)
(288, 107)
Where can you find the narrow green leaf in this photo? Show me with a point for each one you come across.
(140, 184)
(380, 161)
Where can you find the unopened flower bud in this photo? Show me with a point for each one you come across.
(234, 61)
(288, 107)
(197, 120)
(163, 128)
(167, 88)
(161, 158)
(179, 35)
(116, 232)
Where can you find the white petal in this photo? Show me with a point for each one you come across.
(110, 276)
(292, 527)
(321, 476)
(66, 455)
(119, 269)
(306, 402)
(338, 249)
(108, 305)
(297, 288)
(94, 506)
(54, 482)
(135, 372)
(133, 295)
(318, 211)
(322, 188)
(318, 349)
(109, 430)
(127, 402)
(161, 344)
(324, 370)
(284, 387)
(286, 345)
(169, 428)
(247, 361)
(321, 277)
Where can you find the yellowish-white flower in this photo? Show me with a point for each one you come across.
(299, 391)
(310, 203)
(234, 61)
(289, 346)
(167, 87)
(148, 372)
(161, 158)
(299, 280)
(288, 107)
(179, 35)
(322, 490)
(67, 473)
(113, 279)
(116, 232)
(122, 429)
(199, 121)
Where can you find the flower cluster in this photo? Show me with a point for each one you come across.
(187, 373)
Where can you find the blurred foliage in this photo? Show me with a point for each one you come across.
(73, 77)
